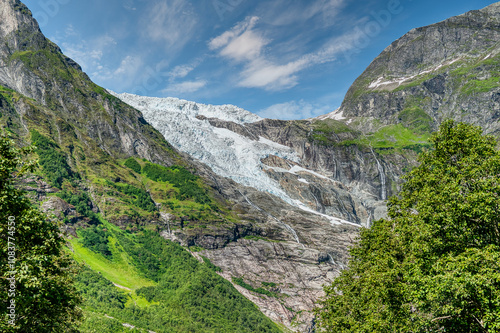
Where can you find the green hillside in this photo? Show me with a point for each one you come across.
(154, 284)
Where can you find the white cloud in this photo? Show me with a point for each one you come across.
(127, 71)
(294, 110)
(240, 43)
(247, 46)
(264, 74)
(129, 66)
(185, 87)
(227, 36)
(244, 44)
(181, 71)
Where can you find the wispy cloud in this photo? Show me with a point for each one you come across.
(180, 71)
(241, 42)
(323, 11)
(294, 110)
(87, 53)
(244, 43)
(185, 87)
(129, 5)
(262, 73)
(171, 22)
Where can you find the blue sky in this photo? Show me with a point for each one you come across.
(279, 59)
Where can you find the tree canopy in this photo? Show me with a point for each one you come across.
(434, 264)
(36, 289)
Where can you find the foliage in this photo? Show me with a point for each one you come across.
(434, 266)
(52, 160)
(44, 293)
(415, 118)
(481, 86)
(95, 238)
(240, 282)
(95, 323)
(211, 265)
(188, 296)
(325, 131)
(82, 203)
(391, 137)
(180, 177)
(141, 198)
(133, 164)
(95, 290)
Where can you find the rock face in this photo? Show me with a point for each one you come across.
(280, 157)
(446, 70)
(34, 67)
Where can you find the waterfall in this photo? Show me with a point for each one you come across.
(383, 191)
(287, 227)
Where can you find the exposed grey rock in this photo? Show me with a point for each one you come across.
(448, 70)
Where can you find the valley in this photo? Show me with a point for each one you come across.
(187, 217)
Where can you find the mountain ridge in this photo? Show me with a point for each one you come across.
(87, 143)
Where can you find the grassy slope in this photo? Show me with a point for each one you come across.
(170, 291)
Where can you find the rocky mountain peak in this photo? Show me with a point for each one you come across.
(14, 16)
(429, 75)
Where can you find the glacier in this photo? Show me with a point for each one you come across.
(227, 153)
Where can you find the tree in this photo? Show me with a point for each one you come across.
(434, 264)
(36, 288)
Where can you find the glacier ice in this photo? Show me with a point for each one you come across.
(227, 153)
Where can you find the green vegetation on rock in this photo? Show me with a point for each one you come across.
(325, 132)
(133, 164)
(181, 178)
(53, 162)
(95, 238)
(260, 290)
(390, 138)
(81, 201)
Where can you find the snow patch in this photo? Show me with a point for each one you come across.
(335, 115)
(296, 169)
(380, 81)
(333, 220)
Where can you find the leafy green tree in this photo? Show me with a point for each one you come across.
(434, 265)
(36, 289)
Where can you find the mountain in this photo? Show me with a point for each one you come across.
(237, 144)
(445, 70)
(271, 206)
(112, 178)
(345, 164)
